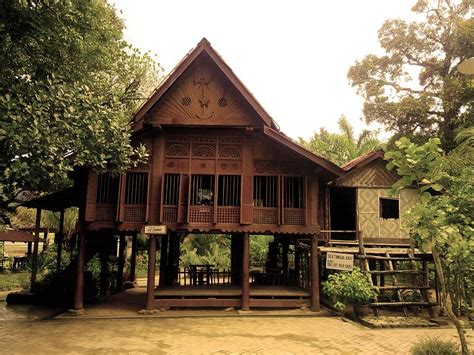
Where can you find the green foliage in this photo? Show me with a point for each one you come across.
(430, 346)
(441, 98)
(68, 86)
(442, 221)
(201, 249)
(259, 249)
(348, 288)
(342, 147)
(14, 280)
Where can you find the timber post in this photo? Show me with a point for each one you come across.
(133, 259)
(78, 306)
(163, 260)
(34, 262)
(245, 273)
(121, 262)
(59, 240)
(150, 283)
(315, 303)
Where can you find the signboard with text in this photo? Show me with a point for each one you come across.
(339, 261)
(155, 229)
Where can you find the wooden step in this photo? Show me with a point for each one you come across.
(407, 272)
(401, 304)
(402, 287)
(391, 258)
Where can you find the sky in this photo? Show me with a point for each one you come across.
(292, 55)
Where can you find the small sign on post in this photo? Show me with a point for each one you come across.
(339, 261)
(157, 229)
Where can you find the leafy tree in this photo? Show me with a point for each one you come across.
(441, 100)
(68, 86)
(442, 222)
(344, 146)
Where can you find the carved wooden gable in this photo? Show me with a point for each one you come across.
(374, 174)
(203, 96)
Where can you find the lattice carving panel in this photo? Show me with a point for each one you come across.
(105, 213)
(264, 215)
(170, 214)
(228, 215)
(135, 213)
(201, 214)
(294, 216)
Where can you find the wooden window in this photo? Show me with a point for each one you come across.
(136, 188)
(171, 189)
(202, 190)
(389, 208)
(293, 192)
(265, 191)
(229, 190)
(107, 189)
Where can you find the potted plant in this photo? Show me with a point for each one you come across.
(350, 288)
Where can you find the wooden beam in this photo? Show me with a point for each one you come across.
(79, 290)
(150, 283)
(245, 272)
(315, 304)
(34, 262)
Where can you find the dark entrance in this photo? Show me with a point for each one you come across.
(343, 213)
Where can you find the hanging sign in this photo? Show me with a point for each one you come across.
(339, 261)
(157, 229)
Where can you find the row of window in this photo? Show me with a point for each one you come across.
(266, 190)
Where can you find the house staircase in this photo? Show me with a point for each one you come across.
(399, 274)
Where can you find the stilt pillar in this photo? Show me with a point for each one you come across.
(79, 291)
(133, 258)
(163, 260)
(121, 263)
(150, 284)
(59, 240)
(245, 272)
(315, 305)
(34, 262)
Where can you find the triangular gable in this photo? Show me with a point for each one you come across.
(202, 90)
(372, 173)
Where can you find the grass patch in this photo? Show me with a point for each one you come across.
(430, 346)
(14, 280)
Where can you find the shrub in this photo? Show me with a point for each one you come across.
(348, 288)
(430, 346)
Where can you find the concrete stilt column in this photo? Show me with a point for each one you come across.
(245, 273)
(315, 303)
(34, 262)
(150, 285)
(133, 259)
(79, 290)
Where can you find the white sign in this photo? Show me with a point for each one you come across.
(155, 229)
(338, 261)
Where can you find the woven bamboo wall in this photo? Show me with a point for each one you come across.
(368, 212)
(373, 174)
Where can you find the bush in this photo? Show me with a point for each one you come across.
(430, 346)
(348, 288)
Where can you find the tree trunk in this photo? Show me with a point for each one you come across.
(446, 306)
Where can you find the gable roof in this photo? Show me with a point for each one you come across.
(300, 150)
(363, 160)
(203, 47)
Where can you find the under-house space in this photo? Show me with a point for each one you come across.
(206, 270)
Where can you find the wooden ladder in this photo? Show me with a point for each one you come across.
(419, 279)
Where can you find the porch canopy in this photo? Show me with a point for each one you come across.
(13, 235)
(57, 201)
